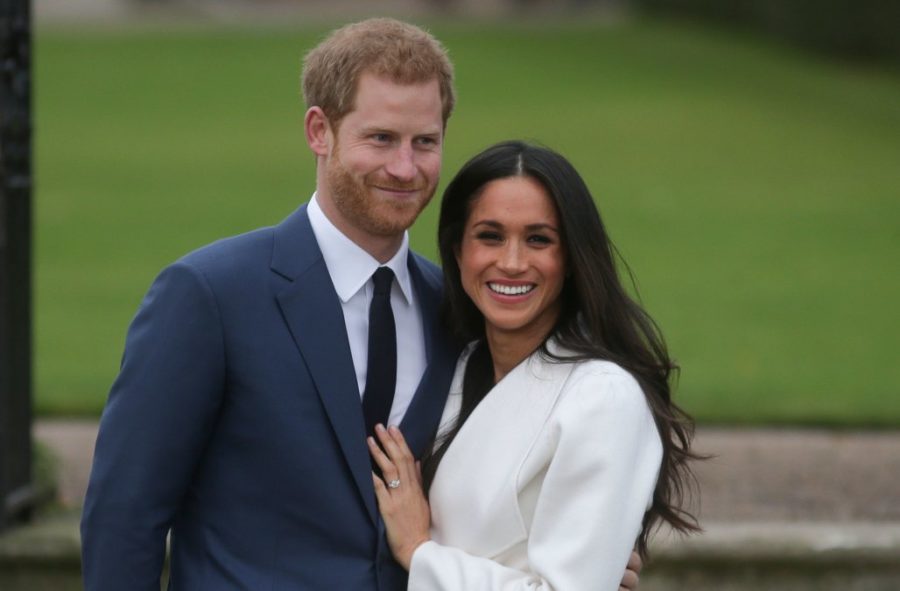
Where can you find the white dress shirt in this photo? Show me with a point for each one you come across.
(351, 269)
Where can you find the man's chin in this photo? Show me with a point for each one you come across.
(398, 218)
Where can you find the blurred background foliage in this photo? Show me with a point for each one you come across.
(751, 186)
(861, 29)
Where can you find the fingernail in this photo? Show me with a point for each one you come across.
(379, 427)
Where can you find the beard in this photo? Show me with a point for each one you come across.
(372, 213)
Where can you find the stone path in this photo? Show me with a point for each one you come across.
(757, 475)
(806, 475)
(72, 442)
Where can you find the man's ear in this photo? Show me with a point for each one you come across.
(318, 131)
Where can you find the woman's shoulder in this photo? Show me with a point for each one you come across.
(591, 369)
(603, 370)
(599, 385)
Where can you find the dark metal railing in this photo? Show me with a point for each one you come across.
(16, 490)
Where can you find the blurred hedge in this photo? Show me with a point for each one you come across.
(853, 28)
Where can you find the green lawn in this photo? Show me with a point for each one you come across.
(754, 190)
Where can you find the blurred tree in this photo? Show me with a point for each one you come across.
(854, 28)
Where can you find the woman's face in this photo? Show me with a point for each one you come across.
(511, 259)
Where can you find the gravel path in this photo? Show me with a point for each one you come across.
(756, 474)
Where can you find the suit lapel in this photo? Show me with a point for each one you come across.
(312, 311)
(423, 415)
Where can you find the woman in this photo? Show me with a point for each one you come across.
(559, 448)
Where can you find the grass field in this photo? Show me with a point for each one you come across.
(754, 190)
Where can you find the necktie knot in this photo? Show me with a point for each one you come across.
(382, 280)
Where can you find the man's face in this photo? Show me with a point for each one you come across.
(385, 160)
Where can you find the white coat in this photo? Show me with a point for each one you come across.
(546, 484)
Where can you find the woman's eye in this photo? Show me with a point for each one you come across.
(540, 239)
(489, 236)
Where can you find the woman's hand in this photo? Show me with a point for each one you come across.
(400, 498)
(632, 572)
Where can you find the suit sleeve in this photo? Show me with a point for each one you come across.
(160, 412)
(598, 485)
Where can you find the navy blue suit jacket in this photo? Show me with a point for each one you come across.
(236, 422)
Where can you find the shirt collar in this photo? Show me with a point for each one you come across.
(349, 266)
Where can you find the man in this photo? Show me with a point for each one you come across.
(236, 422)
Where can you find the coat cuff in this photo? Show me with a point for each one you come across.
(422, 568)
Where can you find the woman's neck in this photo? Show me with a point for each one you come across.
(508, 350)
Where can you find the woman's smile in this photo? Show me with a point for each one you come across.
(506, 289)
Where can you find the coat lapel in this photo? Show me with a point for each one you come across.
(499, 434)
(312, 311)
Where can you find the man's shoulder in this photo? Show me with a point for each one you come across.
(252, 245)
(232, 251)
(430, 271)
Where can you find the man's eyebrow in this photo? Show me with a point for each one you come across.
(386, 130)
(374, 129)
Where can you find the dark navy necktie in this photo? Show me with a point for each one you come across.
(381, 373)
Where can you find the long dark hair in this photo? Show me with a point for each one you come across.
(598, 320)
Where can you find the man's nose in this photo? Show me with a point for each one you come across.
(402, 165)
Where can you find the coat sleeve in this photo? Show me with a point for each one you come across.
(597, 487)
(160, 412)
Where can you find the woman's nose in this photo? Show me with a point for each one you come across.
(512, 258)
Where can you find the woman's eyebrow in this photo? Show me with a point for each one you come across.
(530, 227)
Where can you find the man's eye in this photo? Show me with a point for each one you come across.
(380, 137)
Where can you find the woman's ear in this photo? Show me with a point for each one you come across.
(318, 131)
